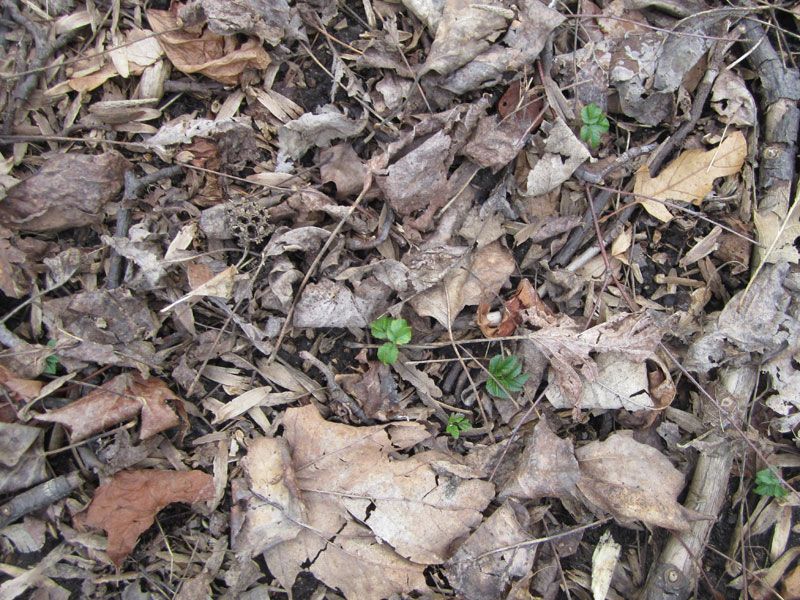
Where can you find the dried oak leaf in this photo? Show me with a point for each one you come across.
(198, 50)
(115, 402)
(691, 176)
(372, 521)
(127, 504)
(69, 190)
(633, 481)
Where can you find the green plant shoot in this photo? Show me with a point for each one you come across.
(456, 423)
(768, 484)
(595, 124)
(505, 375)
(51, 362)
(396, 331)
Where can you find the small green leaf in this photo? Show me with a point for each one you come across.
(505, 375)
(388, 353)
(399, 332)
(51, 365)
(591, 114)
(595, 124)
(457, 423)
(380, 326)
(768, 484)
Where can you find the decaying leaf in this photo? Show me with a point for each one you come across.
(690, 177)
(332, 304)
(22, 460)
(69, 190)
(563, 153)
(318, 129)
(273, 21)
(127, 504)
(489, 561)
(479, 281)
(116, 401)
(510, 317)
(633, 481)
(201, 51)
(354, 492)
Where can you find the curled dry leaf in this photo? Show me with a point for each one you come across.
(127, 504)
(69, 190)
(691, 176)
(353, 492)
(199, 50)
(510, 318)
(115, 402)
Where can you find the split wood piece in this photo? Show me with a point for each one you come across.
(133, 187)
(680, 561)
(39, 497)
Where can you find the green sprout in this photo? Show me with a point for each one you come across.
(768, 484)
(51, 362)
(595, 124)
(505, 375)
(397, 331)
(456, 423)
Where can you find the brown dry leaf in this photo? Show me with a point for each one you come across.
(201, 51)
(690, 176)
(116, 401)
(633, 482)
(563, 153)
(375, 391)
(216, 286)
(13, 281)
(547, 468)
(69, 190)
(127, 504)
(487, 272)
(354, 491)
(524, 297)
(479, 569)
(22, 460)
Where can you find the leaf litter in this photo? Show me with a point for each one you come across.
(201, 335)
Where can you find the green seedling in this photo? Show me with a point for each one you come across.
(505, 375)
(51, 362)
(768, 484)
(595, 124)
(396, 331)
(456, 423)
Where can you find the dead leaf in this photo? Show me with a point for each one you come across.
(479, 281)
(480, 569)
(127, 504)
(562, 154)
(510, 317)
(318, 129)
(332, 304)
(22, 460)
(547, 468)
(732, 100)
(273, 22)
(690, 177)
(217, 286)
(116, 401)
(353, 492)
(633, 481)
(220, 58)
(69, 190)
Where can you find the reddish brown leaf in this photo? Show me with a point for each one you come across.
(524, 297)
(69, 190)
(126, 505)
(116, 401)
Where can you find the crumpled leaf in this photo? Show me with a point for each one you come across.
(184, 129)
(341, 165)
(353, 492)
(690, 177)
(547, 468)
(332, 304)
(515, 51)
(127, 504)
(732, 100)
(487, 271)
(633, 481)
(479, 569)
(270, 20)
(102, 326)
(69, 190)
(318, 129)
(22, 460)
(563, 153)
(220, 58)
(466, 30)
(116, 401)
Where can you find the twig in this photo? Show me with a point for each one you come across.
(39, 497)
(44, 50)
(335, 390)
(133, 187)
